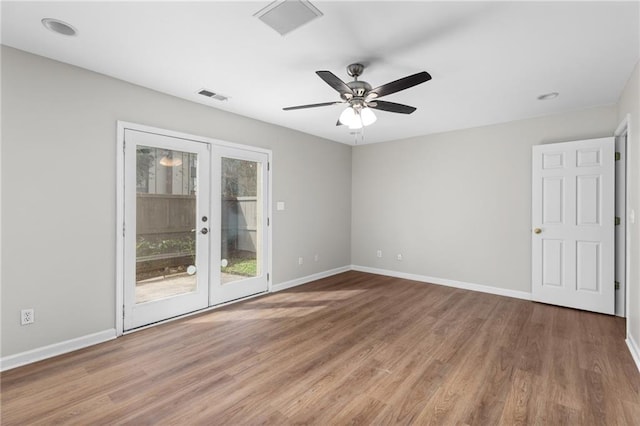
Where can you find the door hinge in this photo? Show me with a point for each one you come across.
(267, 277)
(617, 284)
(268, 166)
(617, 156)
(268, 222)
(616, 221)
(123, 230)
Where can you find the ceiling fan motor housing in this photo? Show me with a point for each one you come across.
(359, 88)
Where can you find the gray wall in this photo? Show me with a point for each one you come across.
(59, 146)
(457, 205)
(629, 103)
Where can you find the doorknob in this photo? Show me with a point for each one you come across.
(204, 231)
(537, 230)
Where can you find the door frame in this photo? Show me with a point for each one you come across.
(120, 200)
(623, 129)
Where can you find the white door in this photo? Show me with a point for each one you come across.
(166, 227)
(240, 249)
(573, 224)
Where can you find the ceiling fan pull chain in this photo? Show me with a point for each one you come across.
(360, 134)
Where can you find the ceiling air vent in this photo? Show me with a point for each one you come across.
(285, 16)
(212, 95)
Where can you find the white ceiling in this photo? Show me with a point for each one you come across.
(489, 60)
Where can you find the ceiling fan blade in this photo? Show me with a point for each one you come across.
(392, 107)
(401, 84)
(312, 105)
(332, 80)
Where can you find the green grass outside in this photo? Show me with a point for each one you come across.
(240, 266)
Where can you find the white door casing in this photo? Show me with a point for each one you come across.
(573, 202)
(126, 311)
(621, 228)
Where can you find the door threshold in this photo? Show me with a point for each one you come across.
(190, 314)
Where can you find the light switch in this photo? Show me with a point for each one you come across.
(280, 205)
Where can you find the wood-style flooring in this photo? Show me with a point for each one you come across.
(352, 348)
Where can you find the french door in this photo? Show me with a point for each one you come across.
(195, 225)
(166, 221)
(240, 256)
(573, 224)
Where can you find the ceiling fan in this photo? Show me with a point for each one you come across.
(361, 98)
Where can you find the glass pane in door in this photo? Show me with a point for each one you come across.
(166, 185)
(240, 225)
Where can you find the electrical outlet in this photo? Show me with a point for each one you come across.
(300, 261)
(399, 257)
(26, 316)
(379, 253)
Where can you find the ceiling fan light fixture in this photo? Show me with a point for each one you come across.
(347, 116)
(357, 119)
(367, 116)
(356, 124)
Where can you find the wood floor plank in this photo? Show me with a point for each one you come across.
(520, 402)
(354, 348)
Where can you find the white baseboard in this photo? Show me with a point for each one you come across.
(634, 349)
(38, 354)
(446, 282)
(304, 280)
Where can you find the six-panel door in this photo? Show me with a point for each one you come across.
(573, 224)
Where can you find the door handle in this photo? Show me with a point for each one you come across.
(204, 231)
(537, 230)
